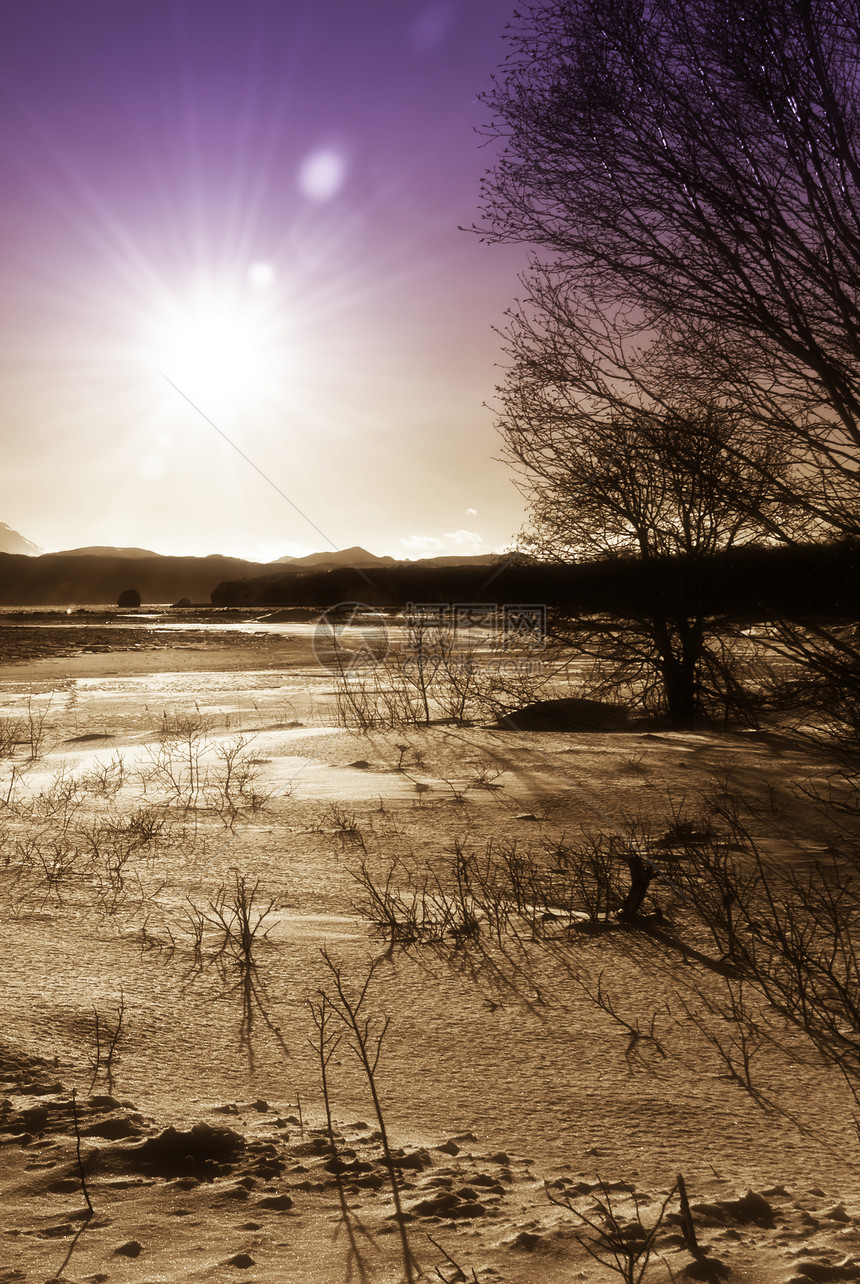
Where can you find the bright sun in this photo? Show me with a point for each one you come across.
(210, 355)
(221, 348)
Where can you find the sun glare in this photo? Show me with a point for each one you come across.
(210, 354)
(223, 349)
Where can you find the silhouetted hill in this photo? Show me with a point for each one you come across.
(98, 574)
(344, 557)
(360, 557)
(69, 579)
(105, 550)
(12, 542)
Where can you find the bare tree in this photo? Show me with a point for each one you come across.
(693, 169)
(689, 171)
(611, 472)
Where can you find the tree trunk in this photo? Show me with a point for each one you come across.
(641, 874)
(679, 645)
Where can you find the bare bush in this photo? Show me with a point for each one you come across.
(35, 728)
(192, 769)
(233, 922)
(622, 1245)
(597, 882)
(364, 1038)
(176, 768)
(235, 786)
(12, 735)
(325, 1044)
(435, 675)
(105, 778)
(106, 1035)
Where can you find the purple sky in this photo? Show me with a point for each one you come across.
(260, 201)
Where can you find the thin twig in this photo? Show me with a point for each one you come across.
(78, 1150)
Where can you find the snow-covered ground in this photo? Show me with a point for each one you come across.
(123, 839)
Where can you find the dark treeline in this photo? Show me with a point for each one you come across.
(759, 582)
(791, 581)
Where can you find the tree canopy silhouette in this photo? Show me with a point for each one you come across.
(692, 168)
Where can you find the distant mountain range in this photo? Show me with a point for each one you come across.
(358, 556)
(355, 556)
(97, 574)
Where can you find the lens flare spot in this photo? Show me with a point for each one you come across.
(261, 275)
(151, 467)
(322, 174)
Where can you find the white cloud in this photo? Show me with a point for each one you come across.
(471, 512)
(420, 545)
(464, 542)
(457, 542)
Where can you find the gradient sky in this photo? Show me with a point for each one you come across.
(258, 201)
